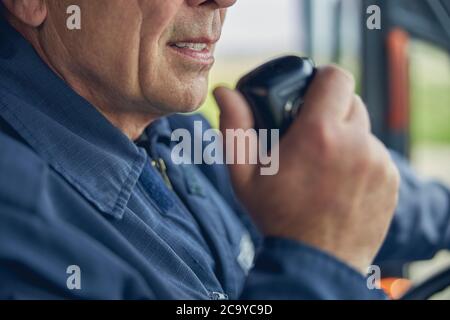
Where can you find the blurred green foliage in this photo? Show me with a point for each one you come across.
(430, 94)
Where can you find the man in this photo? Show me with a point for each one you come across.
(91, 205)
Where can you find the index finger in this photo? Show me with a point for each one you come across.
(330, 95)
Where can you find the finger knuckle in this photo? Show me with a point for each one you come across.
(323, 139)
(339, 75)
(382, 168)
(396, 178)
(373, 158)
(393, 189)
(363, 162)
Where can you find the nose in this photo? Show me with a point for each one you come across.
(219, 3)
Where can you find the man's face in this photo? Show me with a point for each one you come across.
(154, 54)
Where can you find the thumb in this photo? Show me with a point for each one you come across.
(236, 114)
(234, 110)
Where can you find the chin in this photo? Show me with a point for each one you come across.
(190, 104)
(186, 99)
(180, 102)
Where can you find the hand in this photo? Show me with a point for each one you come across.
(337, 187)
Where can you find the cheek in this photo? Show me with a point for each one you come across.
(166, 83)
(103, 50)
(172, 88)
(157, 16)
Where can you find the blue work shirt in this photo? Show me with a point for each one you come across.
(76, 192)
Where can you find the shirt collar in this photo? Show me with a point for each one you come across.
(66, 130)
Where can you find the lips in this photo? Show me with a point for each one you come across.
(196, 50)
(192, 46)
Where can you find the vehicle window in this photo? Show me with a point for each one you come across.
(430, 110)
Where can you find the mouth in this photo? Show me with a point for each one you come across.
(198, 51)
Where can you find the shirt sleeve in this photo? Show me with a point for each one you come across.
(421, 225)
(286, 269)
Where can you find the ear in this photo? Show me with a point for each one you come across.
(30, 12)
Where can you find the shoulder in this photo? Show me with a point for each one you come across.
(22, 174)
